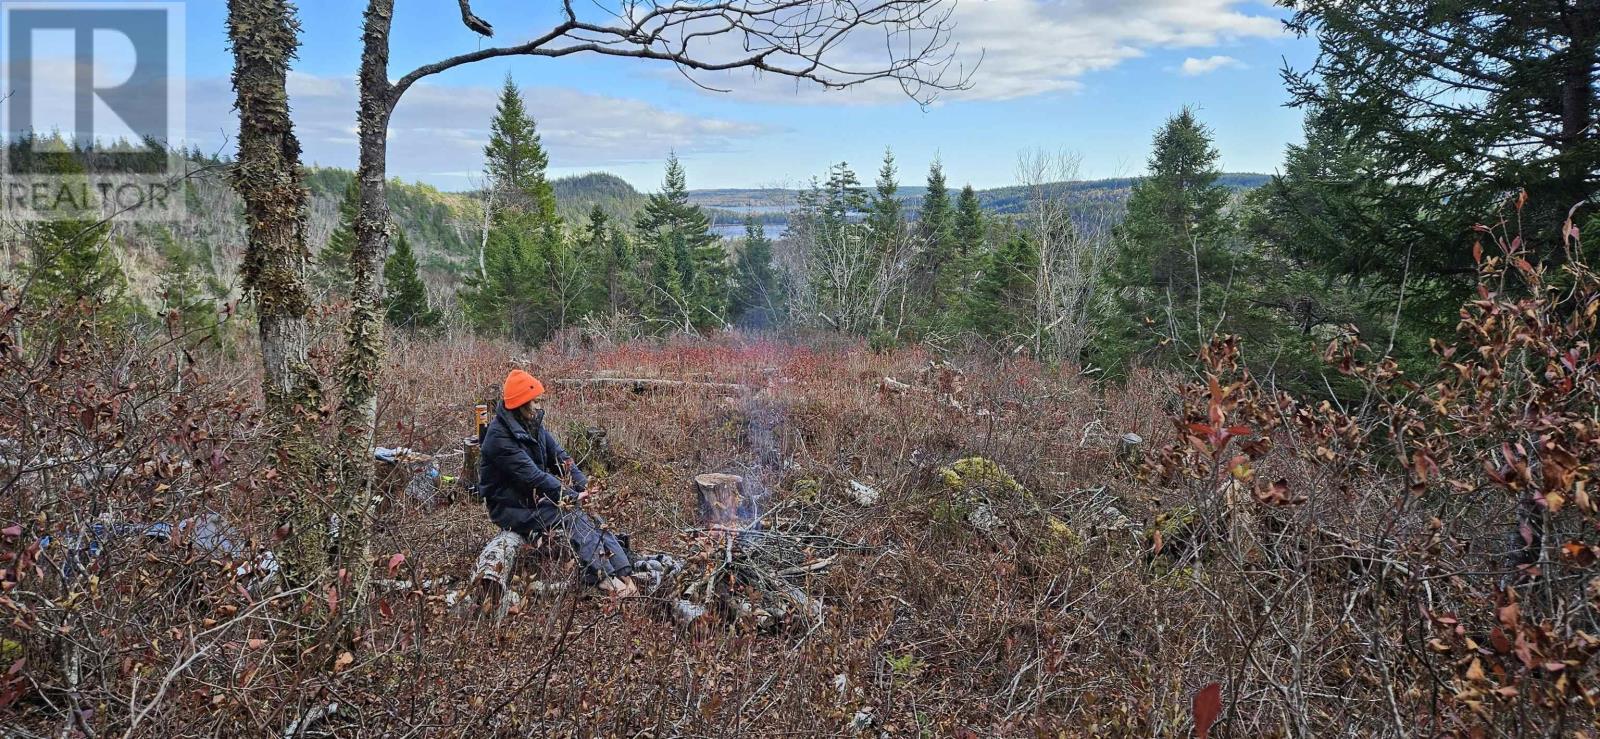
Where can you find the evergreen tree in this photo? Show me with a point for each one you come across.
(937, 277)
(594, 249)
(516, 159)
(886, 220)
(333, 262)
(623, 287)
(886, 227)
(188, 298)
(689, 275)
(1455, 107)
(839, 253)
(1171, 246)
(74, 262)
(1002, 304)
(534, 284)
(969, 231)
(406, 296)
(514, 301)
(755, 297)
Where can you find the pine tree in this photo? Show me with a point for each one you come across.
(689, 275)
(516, 159)
(405, 294)
(1172, 254)
(755, 297)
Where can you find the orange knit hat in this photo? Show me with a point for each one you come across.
(520, 388)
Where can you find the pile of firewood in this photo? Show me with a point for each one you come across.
(749, 568)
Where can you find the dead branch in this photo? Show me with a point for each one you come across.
(640, 384)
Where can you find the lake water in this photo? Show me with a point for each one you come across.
(736, 230)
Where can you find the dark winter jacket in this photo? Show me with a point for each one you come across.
(519, 468)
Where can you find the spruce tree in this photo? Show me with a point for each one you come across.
(969, 231)
(188, 298)
(74, 263)
(755, 297)
(886, 220)
(516, 159)
(937, 275)
(405, 294)
(532, 285)
(333, 262)
(886, 227)
(1002, 303)
(594, 250)
(1172, 254)
(689, 275)
(1457, 106)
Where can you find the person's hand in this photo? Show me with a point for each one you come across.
(583, 495)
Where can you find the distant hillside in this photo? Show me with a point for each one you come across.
(442, 228)
(577, 195)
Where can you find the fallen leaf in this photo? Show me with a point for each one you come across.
(1207, 706)
(395, 562)
(344, 660)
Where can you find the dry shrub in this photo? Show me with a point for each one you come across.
(1337, 570)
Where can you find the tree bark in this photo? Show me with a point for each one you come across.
(364, 329)
(723, 501)
(268, 177)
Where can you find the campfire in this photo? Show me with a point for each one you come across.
(748, 572)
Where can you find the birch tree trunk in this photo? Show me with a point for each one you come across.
(268, 177)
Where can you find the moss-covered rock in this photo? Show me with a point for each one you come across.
(981, 492)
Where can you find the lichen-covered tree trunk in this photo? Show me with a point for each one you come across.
(268, 177)
(364, 331)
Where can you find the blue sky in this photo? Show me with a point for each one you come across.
(1094, 77)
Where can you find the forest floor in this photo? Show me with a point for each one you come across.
(932, 623)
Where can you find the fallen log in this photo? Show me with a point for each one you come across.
(640, 384)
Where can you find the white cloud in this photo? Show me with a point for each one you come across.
(1033, 47)
(1193, 67)
(438, 132)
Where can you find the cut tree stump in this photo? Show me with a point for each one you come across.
(724, 501)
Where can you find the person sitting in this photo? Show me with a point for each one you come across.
(531, 486)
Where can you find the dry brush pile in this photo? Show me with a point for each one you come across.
(1421, 561)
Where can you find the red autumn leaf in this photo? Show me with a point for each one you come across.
(383, 608)
(333, 599)
(1510, 615)
(13, 531)
(395, 562)
(1207, 707)
(1477, 252)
